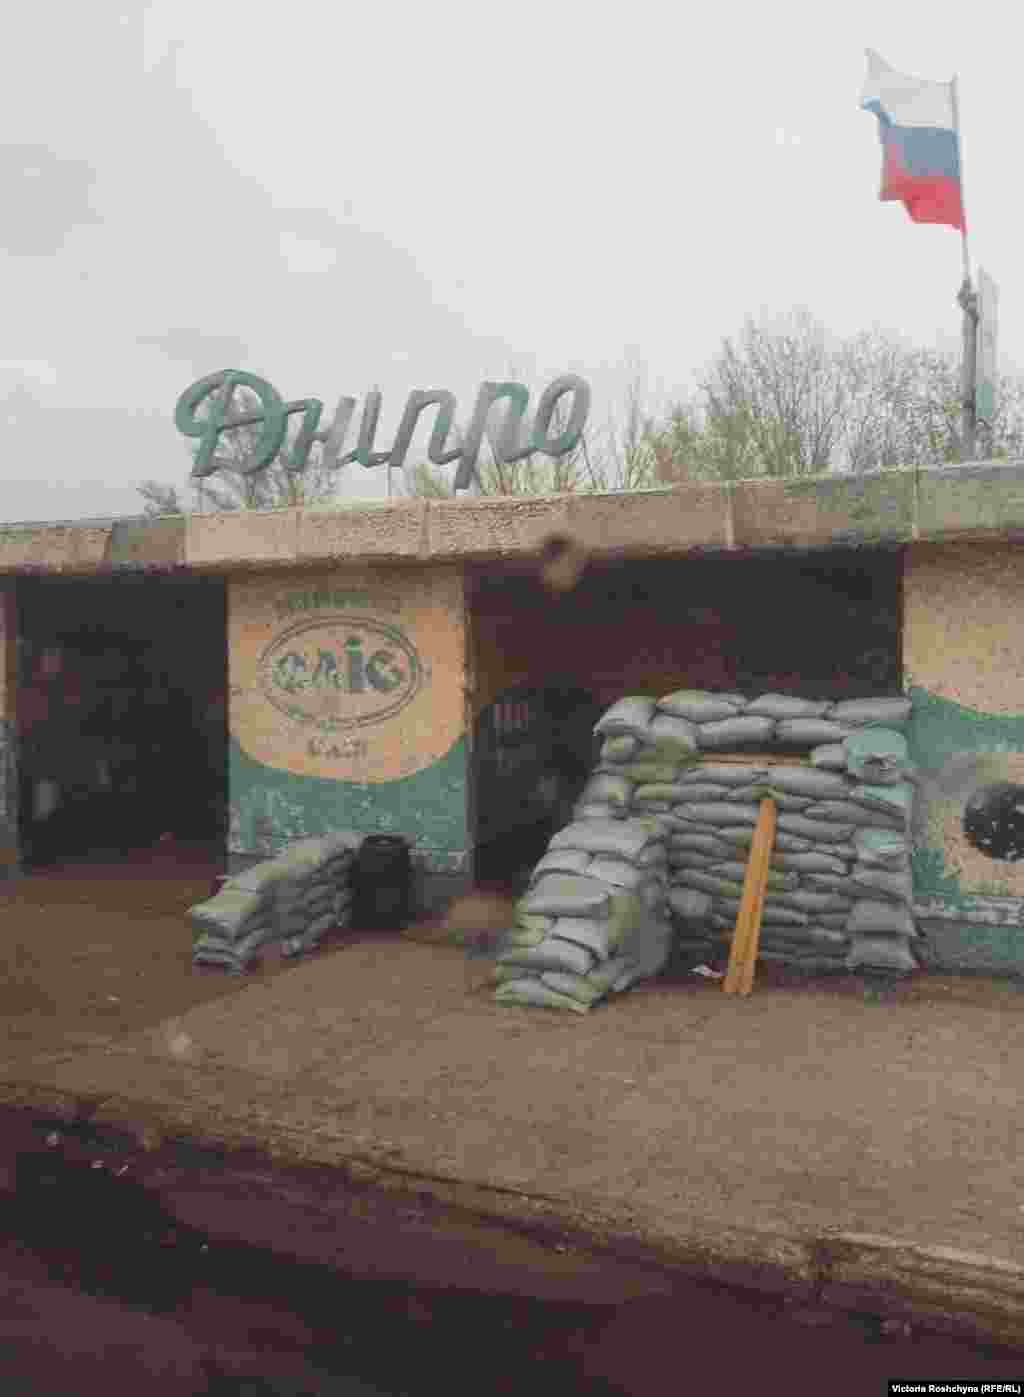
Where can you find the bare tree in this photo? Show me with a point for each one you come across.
(231, 487)
(786, 399)
(619, 458)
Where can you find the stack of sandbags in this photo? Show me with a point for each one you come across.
(292, 899)
(593, 921)
(640, 745)
(839, 887)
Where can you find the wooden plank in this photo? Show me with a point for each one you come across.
(739, 978)
(768, 814)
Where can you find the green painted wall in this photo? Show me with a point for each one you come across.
(270, 807)
(969, 906)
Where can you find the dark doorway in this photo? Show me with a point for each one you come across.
(122, 715)
(534, 750)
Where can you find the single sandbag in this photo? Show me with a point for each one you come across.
(561, 861)
(785, 706)
(876, 756)
(878, 882)
(603, 788)
(880, 918)
(725, 774)
(593, 811)
(817, 830)
(738, 871)
(725, 812)
(580, 987)
(698, 706)
(630, 717)
(529, 921)
(772, 913)
(896, 800)
(876, 713)
(811, 862)
(568, 895)
(699, 843)
(831, 757)
(501, 974)
(734, 731)
(782, 799)
(805, 936)
(809, 781)
(810, 730)
(806, 900)
(595, 935)
(624, 839)
(686, 858)
(831, 882)
(653, 856)
(709, 883)
(845, 811)
(523, 936)
(551, 954)
(881, 953)
(697, 791)
(844, 850)
(689, 902)
(673, 729)
(617, 872)
(643, 772)
(790, 843)
(619, 749)
(535, 994)
(882, 849)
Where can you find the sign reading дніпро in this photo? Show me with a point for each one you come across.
(513, 443)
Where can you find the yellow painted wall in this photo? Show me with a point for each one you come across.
(410, 636)
(347, 698)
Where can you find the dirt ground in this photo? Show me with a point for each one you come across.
(822, 1103)
(94, 950)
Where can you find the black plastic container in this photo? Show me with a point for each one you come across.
(382, 883)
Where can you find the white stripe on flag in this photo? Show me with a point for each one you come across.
(908, 101)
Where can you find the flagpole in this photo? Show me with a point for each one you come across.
(967, 300)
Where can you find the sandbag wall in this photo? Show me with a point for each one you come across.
(292, 899)
(594, 920)
(839, 890)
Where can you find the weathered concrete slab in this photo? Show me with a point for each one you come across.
(980, 499)
(494, 528)
(241, 538)
(388, 530)
(157, 542)
(695, 514)
(825, 511)
(54, 548)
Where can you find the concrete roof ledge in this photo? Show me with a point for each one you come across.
(54, 548)
(478, 527)
(395, 530)
(984, 497)
(878, 508)
(242, 537)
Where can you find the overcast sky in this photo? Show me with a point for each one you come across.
(337, 196)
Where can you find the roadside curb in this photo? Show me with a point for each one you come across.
(934, 1288)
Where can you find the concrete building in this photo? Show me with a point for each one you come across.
(399, 667)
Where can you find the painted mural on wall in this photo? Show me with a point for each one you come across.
(347, 709)
(963, 664)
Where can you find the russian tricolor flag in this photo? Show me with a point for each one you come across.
(917, 124)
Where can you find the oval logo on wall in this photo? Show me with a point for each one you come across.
(345, 673)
